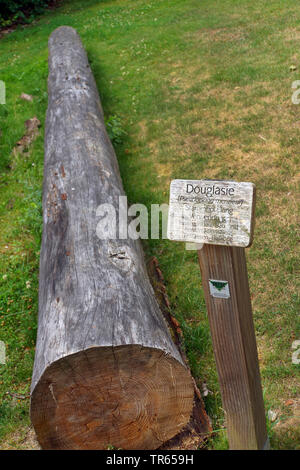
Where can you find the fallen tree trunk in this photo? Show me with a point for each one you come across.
(106, 371)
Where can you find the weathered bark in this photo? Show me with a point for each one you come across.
(106, 371)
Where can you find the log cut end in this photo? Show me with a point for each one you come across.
(128, 397)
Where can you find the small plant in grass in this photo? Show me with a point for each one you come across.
(114, 129)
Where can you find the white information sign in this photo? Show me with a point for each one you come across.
(211, 211)
(219, 289)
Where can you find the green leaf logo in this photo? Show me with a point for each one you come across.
(219, 284)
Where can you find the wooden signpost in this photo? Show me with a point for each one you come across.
(220, 215)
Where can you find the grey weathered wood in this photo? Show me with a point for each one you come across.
(234, 344)
(106, 371)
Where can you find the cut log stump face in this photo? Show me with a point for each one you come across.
(106, 370)
(128, 397)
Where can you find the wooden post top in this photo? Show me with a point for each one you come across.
(215, 212)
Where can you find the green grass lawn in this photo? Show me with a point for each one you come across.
(202, 90)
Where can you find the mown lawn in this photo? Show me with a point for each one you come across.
(202, 90)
